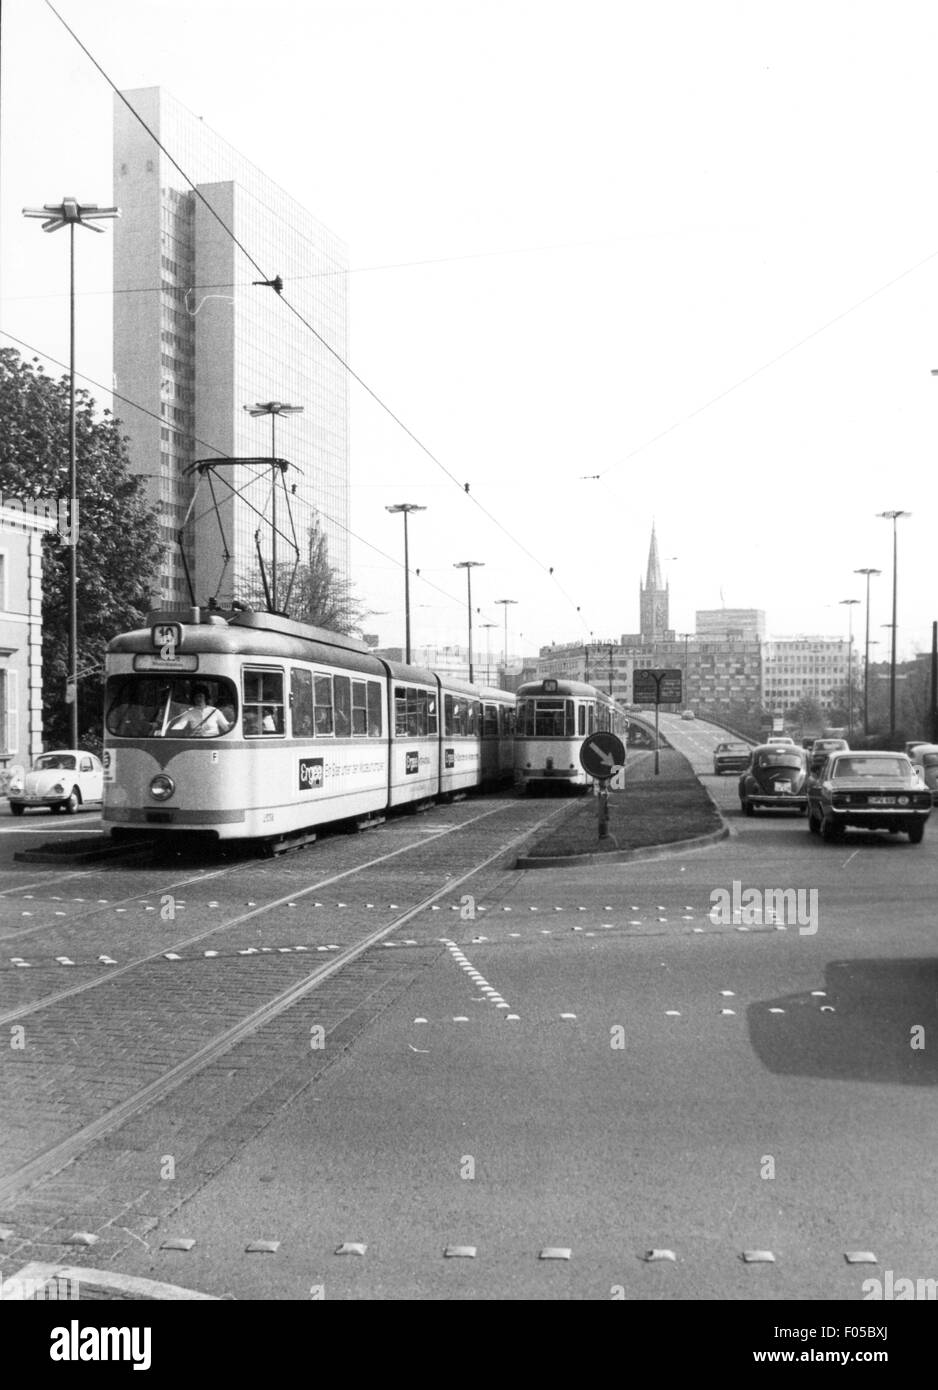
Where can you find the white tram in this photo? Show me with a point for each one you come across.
(252, 726)
(552, 718)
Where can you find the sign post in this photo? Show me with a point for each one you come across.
(602, 755)
(657, 686)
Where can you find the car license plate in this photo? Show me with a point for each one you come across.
(783, 786)
(882, 800)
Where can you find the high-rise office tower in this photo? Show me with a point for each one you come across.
(195, 341)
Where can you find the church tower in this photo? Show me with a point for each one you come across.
(653, 598)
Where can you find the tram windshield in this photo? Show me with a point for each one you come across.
(545, 719)
(171, 707)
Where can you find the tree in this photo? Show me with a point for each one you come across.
(318, 595)
(807, 714)
(119, 545)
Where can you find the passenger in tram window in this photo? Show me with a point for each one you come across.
(200, 720)
(270, 724)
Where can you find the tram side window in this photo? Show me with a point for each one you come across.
(343, 706)
(414, 712)
(263, 702)
(581, 719)
(301, 702)
(374, 709)
(475, 718)
(359, 708)
(490, 721)
(323, 710)
(506, 720)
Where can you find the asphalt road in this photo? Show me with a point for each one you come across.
(589, 1060)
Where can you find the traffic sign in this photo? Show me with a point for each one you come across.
(601, 754)
(657, 686)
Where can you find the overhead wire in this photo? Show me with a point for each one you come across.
(405, 428)
(457, 601)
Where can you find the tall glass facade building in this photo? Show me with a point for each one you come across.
(195, 341)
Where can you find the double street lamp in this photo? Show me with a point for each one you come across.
(893, 517)
(406, 508)
(71, 213)
(866, 654)
(469, 566)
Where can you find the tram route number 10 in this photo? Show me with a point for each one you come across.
(311, 773)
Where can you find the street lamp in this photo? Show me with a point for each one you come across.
(686, 636)
(406, 508)
(469, 566)
(893, 517)
(506, 602)
(849, 602)
(71, 213)
(866, 655)
(273, 409)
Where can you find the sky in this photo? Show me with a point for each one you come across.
(611, 263)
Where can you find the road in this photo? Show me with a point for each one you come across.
(589, 1062)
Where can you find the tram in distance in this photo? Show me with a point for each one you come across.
(251, 726)
(552, 718)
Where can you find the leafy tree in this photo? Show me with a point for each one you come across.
(119, 546)
(318, 595)
(807, 714)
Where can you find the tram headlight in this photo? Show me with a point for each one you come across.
(162, 787)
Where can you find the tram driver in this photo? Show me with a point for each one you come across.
(200, 720)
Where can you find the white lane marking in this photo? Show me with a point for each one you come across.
(848, 858)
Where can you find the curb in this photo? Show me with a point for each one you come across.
(619, 856)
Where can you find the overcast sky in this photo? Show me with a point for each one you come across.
(691, 247)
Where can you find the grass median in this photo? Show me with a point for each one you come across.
(652, 810)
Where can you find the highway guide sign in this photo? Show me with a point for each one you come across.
(657, 687)
(602, 754)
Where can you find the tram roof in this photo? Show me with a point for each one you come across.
(552, 685)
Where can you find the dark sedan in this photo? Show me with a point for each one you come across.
(730, 757)
(822, 749)
(878, 791)
(776, 777)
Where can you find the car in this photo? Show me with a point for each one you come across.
(914, 743)
(776, 777)
(688, 714)
(872, 790)
(924, 757)
(61, 781)
(782, 739)
(823, 747)
(730, 757)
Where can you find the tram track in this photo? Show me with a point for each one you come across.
(163, 1025)
(112, 973)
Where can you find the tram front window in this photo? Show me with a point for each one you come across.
(177, 707)
(545, 719)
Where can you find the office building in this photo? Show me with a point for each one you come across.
(806, 668)
(743, 624)
(195, 341)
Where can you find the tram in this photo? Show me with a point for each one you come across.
(552, 718)
(248, 725)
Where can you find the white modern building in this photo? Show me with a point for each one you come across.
(739, 624)
(798, 668)
(195, 341)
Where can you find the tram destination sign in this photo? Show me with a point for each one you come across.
(657, 686)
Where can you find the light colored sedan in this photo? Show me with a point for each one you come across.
(60, 781)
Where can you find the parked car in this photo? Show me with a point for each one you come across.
(688, 714)
(924, 757)
(730, 757)
(875, 790)
(60, 781)
(822, 749)
(776, 777)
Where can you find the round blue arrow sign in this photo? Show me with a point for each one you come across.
(602, 754)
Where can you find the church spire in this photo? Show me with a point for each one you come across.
(653, 578)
